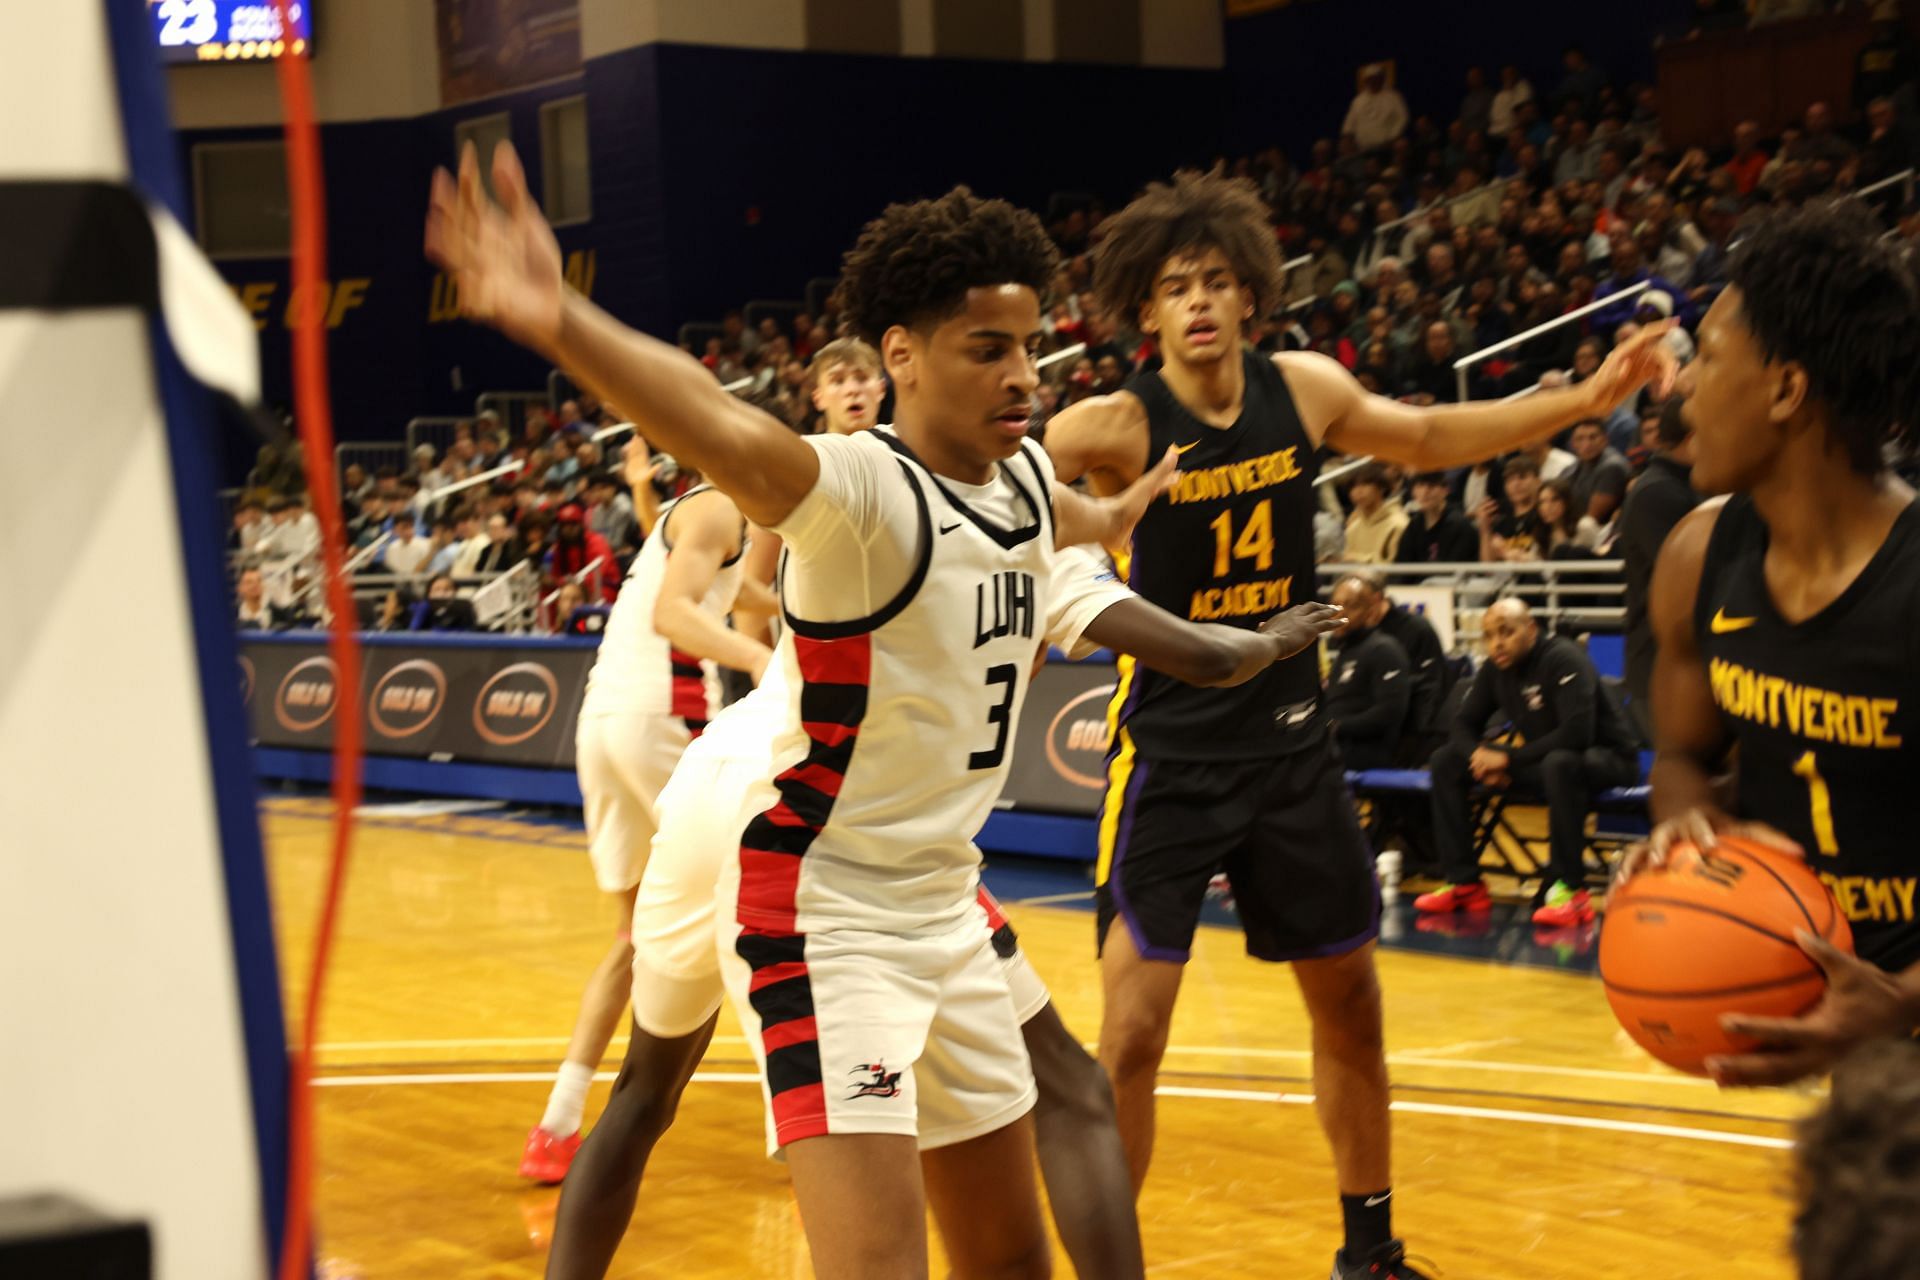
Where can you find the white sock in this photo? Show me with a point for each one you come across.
(568, 1101)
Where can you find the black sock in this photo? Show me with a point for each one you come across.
(1369, 1222)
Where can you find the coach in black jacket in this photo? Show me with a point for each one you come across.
(1370, 684)
(1575, 742)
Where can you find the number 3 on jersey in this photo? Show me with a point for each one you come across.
(1255, 542)
(999, 715)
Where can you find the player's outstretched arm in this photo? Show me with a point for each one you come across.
(1208, 654)
(505, 265)
(1344, 416)
(1103, 438)
(1080, 520)
(706, 533)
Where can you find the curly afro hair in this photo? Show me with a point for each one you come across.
(914, 263)
(1858, 1168)
(1196, 211)
(1820, 288)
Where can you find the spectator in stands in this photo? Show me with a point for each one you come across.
(254, 613)
(249, 526)
(1515, 533)
(1630, 269)
(407, 553)
(1891, 145)
(1818, 143)
(1573, 743)
(451, 534)
(431, 477)
(1553, 461)
(1479, 484)
(1599, 482)
(578, 550)
(1436, 533)
(1886, 66)
(1369, 680)
(294, 534)
(1748, 161)
(1579, 157)
(1504, 115)
(1374, 528)
(1569, 535)
(355, 483)
(442, 609)
(496, 550)
(1378, 114)
(610, 513)
(1476, 108)
(1430, 377)
(1583, 84)
(1659, 498)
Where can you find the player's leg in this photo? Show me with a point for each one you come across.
(1161, 833)
(603, 1007)
(676, 995)
(597, 1199)
(1082, 1160)
(863, 1205)
(1137, 997)
(1306, 892)
(988, 1208)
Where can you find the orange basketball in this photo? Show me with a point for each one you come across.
(1712, 934)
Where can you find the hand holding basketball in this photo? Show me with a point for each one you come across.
(503, 258)
(1701, 828)
(1862, 1002)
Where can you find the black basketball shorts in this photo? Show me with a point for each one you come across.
(1283, 829)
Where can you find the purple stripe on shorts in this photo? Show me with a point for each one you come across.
(1116, 879)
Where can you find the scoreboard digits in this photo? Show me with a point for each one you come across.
(228, 30)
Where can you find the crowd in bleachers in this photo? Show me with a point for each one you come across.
(1414, 240)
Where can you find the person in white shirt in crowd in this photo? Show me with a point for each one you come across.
(1552, 460)
(1374, 528)
(254, 613)
(430, 475)
(1514, 90)
(293, 535)
(407, 554)
(450, 538)
(1378, 113)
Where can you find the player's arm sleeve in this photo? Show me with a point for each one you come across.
(1570, 685)
(854, 536)
(1082, 588)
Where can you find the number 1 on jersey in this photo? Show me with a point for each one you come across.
(1255, 542)
(1822, 799)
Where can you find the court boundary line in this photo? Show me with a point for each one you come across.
(1414, 1059)
(1725, 1137)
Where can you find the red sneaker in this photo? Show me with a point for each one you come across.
(547, 1158)
(1455, 897)
(1565, 907)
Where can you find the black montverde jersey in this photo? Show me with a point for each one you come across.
(1826, 714)
(1232, 543)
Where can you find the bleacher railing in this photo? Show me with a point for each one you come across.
(436, 431)
(513, 408)
(369, 454)
(1565, 595)
(1466, 362)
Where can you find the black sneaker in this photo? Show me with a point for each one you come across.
(1388, 1262)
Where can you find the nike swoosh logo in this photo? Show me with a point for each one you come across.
(949, 528)
(1722, 623)
(1569, 679)
(1374, 1202)
(1182, 448)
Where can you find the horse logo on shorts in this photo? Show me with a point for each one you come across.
(883, 1084)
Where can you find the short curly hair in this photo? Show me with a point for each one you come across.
(1196, 211)
(1820, 288)
(915, 262)
(1858, 1169)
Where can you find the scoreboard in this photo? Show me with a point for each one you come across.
(229, 30)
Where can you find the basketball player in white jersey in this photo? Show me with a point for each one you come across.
(652, 690)
(857, 953)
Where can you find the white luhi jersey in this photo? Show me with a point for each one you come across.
(638, 672)
(897, 725)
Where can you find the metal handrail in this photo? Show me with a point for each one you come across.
(1905, 176)
(1467, 361)
(444, 490)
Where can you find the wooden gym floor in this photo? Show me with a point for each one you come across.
(1532, 1140)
